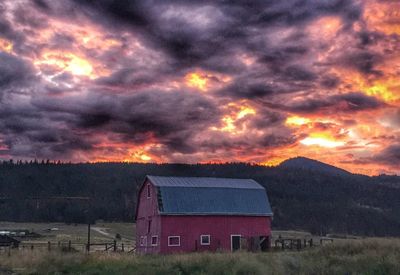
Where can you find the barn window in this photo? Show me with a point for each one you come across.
(174, 240)
(205, 239)
(148, 226)
(148, 191)
(143, 240)
(154, 240)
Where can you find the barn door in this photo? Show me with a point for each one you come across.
(264, 243)
(235, 242)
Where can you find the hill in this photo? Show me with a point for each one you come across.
(314, 165)
(302, 199)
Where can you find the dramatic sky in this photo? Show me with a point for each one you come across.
(201, 81)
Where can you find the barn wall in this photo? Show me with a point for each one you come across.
(147, 211)
(220, 228)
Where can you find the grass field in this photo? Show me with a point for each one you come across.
(76, 232)
(343, 256)
(372, 256)
(101, 232)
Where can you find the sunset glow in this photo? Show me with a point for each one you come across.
(66, 62)
(201, 82)
(5, 45)
(196, 80)
(322, 142)
(295, 120)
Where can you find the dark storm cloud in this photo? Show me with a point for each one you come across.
(272, 140)
(115, 74)
(6, 29)
(363, 61)
(130, 77)
(209, 35)
(389, 156)
(266, 83)
(14, 74)
(298, 73)
(267, 119)
(28, 18)
(349, 102)
(194, 33)
(330, 81)
(172, 118)
(157, 112)
(278, 57)
(243, 89)
(394, 118)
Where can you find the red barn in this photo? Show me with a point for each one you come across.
(183, 214)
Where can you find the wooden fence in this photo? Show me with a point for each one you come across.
(69, 246)
(288, 243)
(129, 247)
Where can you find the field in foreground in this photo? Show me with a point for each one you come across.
(369, 256)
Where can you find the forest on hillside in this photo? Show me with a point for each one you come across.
(317, 201)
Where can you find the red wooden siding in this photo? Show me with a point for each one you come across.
(220, 228)
(148, 211)
(190, 227)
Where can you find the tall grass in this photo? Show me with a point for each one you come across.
(374, 256)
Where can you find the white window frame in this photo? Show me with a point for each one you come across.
(236, 235)
(143, 240)
(201, 239)
(154, 236)
(148, 191)
(179, 240)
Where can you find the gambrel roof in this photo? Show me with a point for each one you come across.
(210, 196)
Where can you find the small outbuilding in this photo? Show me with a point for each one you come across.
(188, 214)
(8, 241)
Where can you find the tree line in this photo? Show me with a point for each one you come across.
(301, 199)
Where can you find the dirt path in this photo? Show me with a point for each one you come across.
(102, 231)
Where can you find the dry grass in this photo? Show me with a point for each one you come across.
(370, 256)
(77, 233)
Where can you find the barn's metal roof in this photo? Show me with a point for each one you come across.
(204, 182)
(210, 196)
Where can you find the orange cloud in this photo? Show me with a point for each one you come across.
(5, 45)
(383, 16)
(61, 61)
(297, 121)
(197, 80)
(205, 81)
(321, 140)
(231, 122)
(325, 27)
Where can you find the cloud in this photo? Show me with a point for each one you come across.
(363, 61)
(389, 156)
(14, 73)
(342, 103)
(111, 80)
(170, 117)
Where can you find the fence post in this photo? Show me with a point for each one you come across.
(69, 245)
(48, 245)
(88, 239)
(115, 245)
(122, 246)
